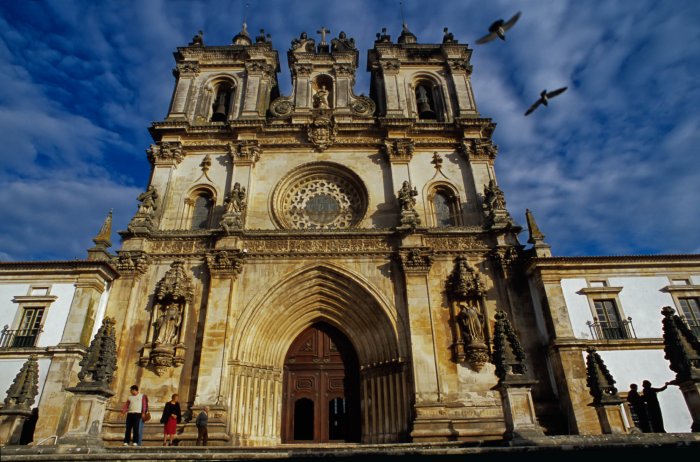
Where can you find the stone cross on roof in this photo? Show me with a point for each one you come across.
(323, 31)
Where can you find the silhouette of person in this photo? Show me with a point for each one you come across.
(638, 409)
(656, 421)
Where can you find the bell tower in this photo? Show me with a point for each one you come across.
(428, 82)
(224, 83)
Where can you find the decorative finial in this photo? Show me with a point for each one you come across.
(102, 241)
(681, 346)
(437, 161)
(206, 164)
(24, 388)
(536, 235)
(599, 380)
(105, 234)
(98, 365)
(508, 355)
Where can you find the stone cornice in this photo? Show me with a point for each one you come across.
(569, 343)
(104, 269)
(621, 262)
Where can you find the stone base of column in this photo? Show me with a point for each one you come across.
(11, 426)
(456, 422)
(85, 424)
(611, 418)
(691, 393)
(519, 414)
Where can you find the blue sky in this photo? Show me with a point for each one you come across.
(611, 167)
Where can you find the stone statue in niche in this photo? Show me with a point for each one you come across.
(168, 325)
(321, 98)
(173, 293)
(471, 322)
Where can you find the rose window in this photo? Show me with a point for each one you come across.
(320, 196)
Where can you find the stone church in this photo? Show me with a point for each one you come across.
(325, 266)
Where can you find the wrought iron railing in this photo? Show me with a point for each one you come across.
(19, 338)
(611, 330)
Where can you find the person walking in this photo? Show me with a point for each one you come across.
(135, 408)
(656, 420)
(170, 418)
(202, 422)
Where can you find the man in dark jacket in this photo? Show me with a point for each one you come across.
(202, 422)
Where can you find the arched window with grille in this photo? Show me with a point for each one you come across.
(201, 205)
(445, 207)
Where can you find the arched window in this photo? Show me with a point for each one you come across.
(445, 208)
(428, 100)
(323, 92)
(221, 107)
(201, 204)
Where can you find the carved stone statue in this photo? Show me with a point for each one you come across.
(471, 323)
(148, 201)
(493, 197)
(198, 40)
(406, 196)
(303, 44)
(168, 325)
(342, 43)
(173, 293)
(235, 202)
(321, 98)
(409, 216)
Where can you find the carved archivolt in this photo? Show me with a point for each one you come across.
(319, 196)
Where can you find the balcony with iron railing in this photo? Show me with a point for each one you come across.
(19, 338)
(611, 330)
(692, 324)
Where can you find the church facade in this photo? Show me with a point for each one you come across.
(325, 266)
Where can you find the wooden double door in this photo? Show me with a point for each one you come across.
(321, 388)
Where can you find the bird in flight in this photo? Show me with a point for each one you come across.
(544, 98)
(498, 29)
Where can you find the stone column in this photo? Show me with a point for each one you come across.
(607, 403)
(185, 72)
(18, 403)
(416, 263)
(392, 88)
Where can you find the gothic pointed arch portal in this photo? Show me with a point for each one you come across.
(351, 309)
(321, 388)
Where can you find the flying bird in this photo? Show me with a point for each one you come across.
(544, 98)
(498, 29)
